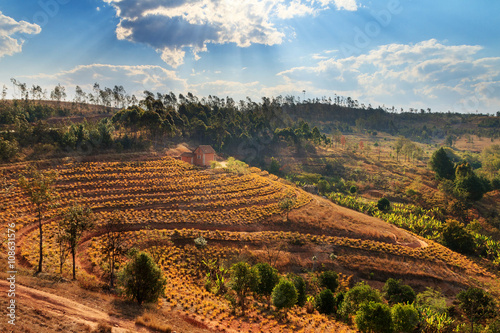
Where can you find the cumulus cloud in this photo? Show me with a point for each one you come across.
(135, 79)
(10, 31)
(415, 75)
(171, 26)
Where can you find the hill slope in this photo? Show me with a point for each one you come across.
(165, 204)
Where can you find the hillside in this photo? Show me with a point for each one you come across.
(164, 204)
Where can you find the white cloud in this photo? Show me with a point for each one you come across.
(135, 79)
(10, 31)
(416, 75)
(233, 89)
(346, 4)
(174, 25)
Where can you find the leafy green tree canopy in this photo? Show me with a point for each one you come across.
(405, 317)
(243, 279)
(476, 304)
(329, 280)
(441, 164)
(284, 295)
(325, 302)
(360, 293)
(397, 292)
(268, 278)
(373, 317)
(142, 279)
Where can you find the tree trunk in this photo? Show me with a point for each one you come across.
(40, 259)
(111, 271)
(74, 264)
(242, 304)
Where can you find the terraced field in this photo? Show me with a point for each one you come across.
(164, 204)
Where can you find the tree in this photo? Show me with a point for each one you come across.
(442, 165)
(397, 292)
(329, 280)
(39, 188)
(287, 205)
(284, 295)
(476, 304)
(243, 279)
(383, 204)
(405, 318)
(63, 248)
(113, 244)
(325, 302)
(58, 94)
(374, 317)
(360, 293)
(457, 238)
(76, 220)
(468, 186)
(268, 279)
(275, 167)
(300, 286)
(142, 279)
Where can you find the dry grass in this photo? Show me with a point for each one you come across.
(154, 321)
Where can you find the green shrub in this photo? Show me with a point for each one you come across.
(397, 292)
(300, 285)
(325, 302)
(329, 280)
(284, 295)
(357, 295)
(383, 204)
(405, 317)
(373, 317)
(142, 279)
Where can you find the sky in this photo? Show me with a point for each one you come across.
(443, 55)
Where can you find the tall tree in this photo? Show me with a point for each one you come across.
(38, 186)
(58, 94)
(76, 220)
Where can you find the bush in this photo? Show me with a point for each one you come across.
(284, 295)
(405, 317)
(329, 280)
(374, 317)
(397, 292)
(8, 149)
(325, 302)
(142, 279)
(433, 300)
(383, 204)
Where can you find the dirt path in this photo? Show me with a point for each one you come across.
(67, 310)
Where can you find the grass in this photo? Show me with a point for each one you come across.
(154, 321)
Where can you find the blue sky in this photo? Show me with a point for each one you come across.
(443, 55)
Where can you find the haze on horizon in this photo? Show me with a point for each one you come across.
(443, 55)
